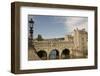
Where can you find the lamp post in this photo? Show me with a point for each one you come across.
(31, 23)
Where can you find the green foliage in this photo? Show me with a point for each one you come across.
(39, 38)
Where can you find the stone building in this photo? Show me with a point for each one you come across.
(69, 47)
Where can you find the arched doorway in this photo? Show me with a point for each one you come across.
(54, 54)
(65, 54)
(42, 54)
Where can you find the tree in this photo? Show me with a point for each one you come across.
(39, 38)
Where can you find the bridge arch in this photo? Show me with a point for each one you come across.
(54, 54)
(42, 54)
(65, 54)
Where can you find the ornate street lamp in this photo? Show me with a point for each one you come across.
(31, 23)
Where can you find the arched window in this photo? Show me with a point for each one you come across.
(42, 54)
(54, 54)
(65, 54)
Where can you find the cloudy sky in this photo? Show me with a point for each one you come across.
(57, 26)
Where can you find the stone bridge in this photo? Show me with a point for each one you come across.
(56, 50)
(44, 50)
